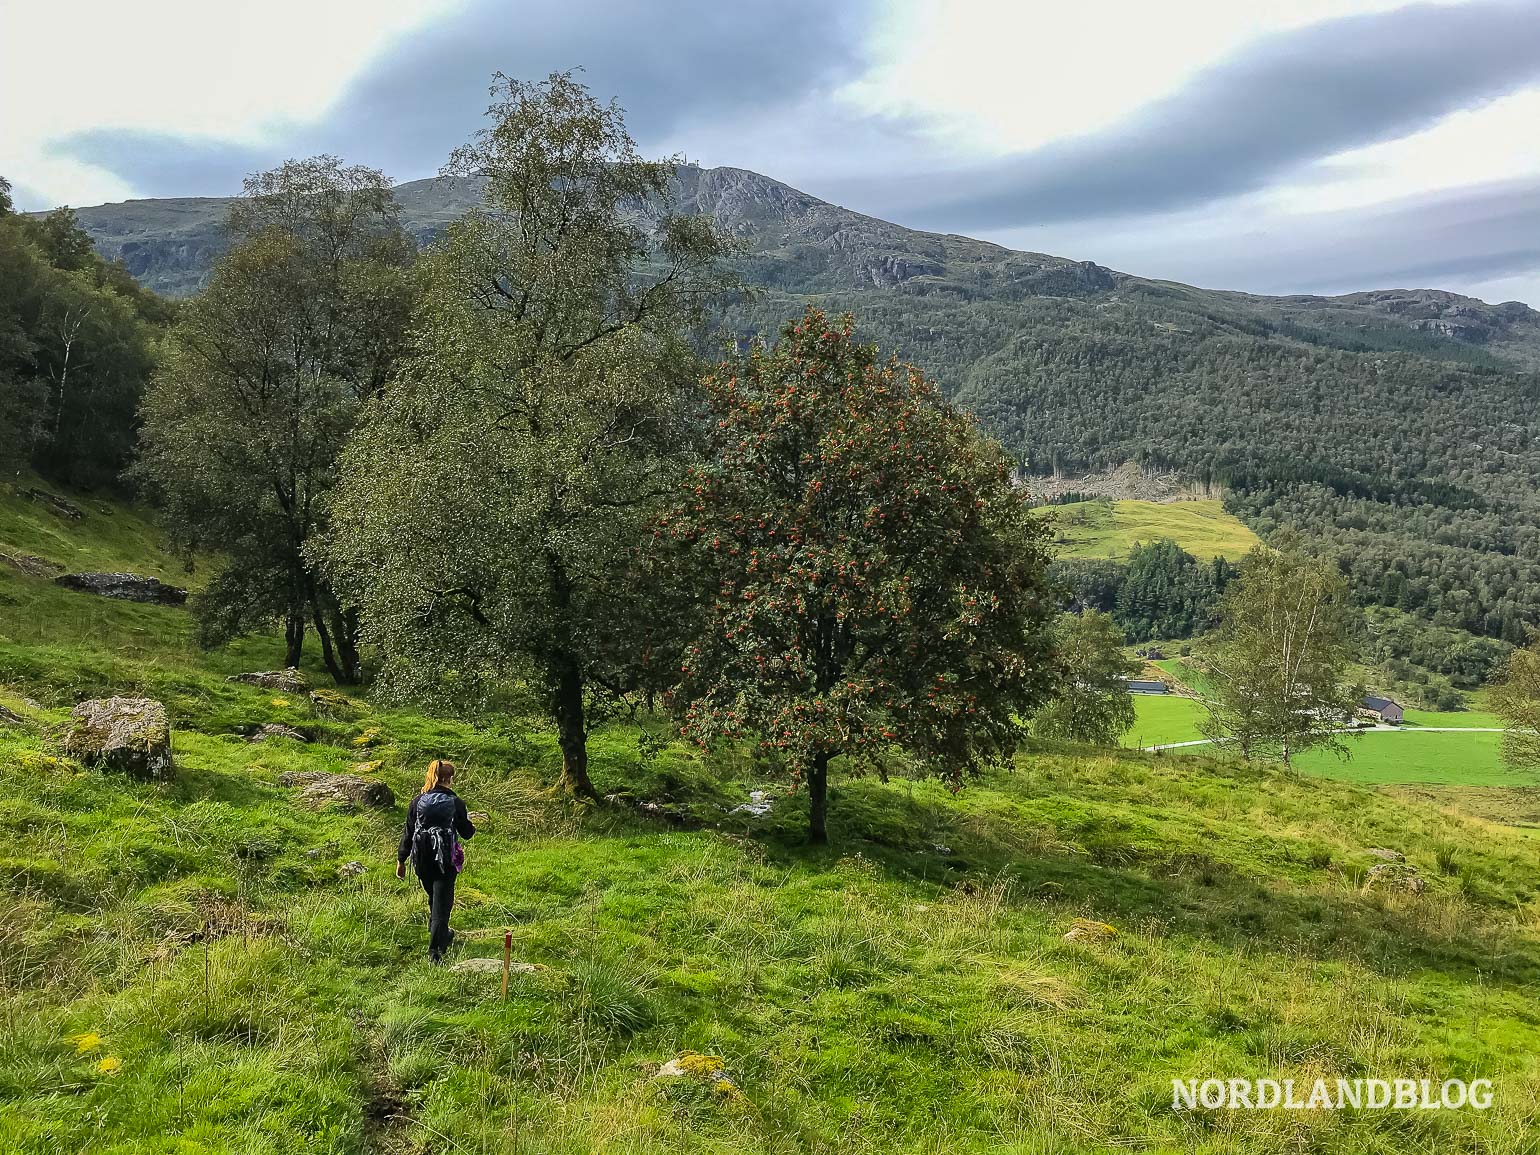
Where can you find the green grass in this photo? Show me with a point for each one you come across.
(1463, 719)
(108, 537)
(908, 989)
(1186, 671)
(1164, 718)
(1468, 759)
(1103, 529)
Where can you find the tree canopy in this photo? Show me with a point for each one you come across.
(1091, 702)
(498, 496)
(77, 344)
(264, 376)
(874, 579)
(1279, 660)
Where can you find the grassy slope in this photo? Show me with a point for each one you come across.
(908, 990)
(1110, 529)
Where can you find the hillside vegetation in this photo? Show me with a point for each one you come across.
(198, 967)
(1393, 427)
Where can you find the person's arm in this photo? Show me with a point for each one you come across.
(404, 851)
(463, 825)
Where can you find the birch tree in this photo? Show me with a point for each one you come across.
(1280, 658)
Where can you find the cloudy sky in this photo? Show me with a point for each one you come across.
(1278, 146)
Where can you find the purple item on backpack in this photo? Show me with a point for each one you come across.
(459, 856)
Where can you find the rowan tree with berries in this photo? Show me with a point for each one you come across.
(876, 583)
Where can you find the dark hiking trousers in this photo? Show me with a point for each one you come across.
(441, 900)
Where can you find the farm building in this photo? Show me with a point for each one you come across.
(1385, 709)
(1146, 686)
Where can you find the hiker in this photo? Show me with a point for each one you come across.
(436, 821)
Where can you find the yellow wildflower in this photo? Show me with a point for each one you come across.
(280, 702)
(111, 1065)
(86, 1043)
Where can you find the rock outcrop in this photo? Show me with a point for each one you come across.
(1088, 930)
(289, 681)
(126, 587)
(131, 735)
(54, 502)
(275, 730)
(318, 790)
(1395, 876)
(25, 563)
(493, 967)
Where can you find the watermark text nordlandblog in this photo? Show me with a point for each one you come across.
(1330, 1094)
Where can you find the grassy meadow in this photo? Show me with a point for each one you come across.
(1163, 719)
(1110, 529)
(197, 966)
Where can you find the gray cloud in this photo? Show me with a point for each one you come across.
(1479, 233)
(1289, 99)
(693, 61)
(168, 165)
(1467, 239)
(27, 200)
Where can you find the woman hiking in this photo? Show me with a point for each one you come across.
(436, 821)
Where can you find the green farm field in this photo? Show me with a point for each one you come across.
(1110, 529)
(1164, 718)
(1403, 757)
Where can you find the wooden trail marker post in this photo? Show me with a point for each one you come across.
(507, 958)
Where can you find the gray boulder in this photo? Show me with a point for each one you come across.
(126, 587)
(289, 681)
(275, 730)
(318, 790)
(1395, 876)
(132, 735)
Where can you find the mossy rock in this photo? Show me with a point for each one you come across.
(131, 735)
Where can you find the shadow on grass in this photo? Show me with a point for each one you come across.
(1126, 862)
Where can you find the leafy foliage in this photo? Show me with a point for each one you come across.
(1091, 702)
(1516, 700)
(497, 496)
(1278, 662)
(875, 578)
(264, 377)
(77, 343)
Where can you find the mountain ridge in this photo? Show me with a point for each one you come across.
(796, 242)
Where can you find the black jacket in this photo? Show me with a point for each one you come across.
(462, 824)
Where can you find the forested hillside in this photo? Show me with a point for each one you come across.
(77, 335)
(1395, 428)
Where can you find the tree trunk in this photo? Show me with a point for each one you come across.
(327, 655)
(337, 631)
(571, 732)
(818, 800)
(293, 639)
(344, 629)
